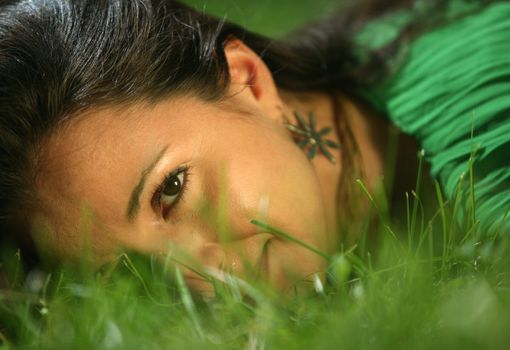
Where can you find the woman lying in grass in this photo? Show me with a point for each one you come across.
(149, 126)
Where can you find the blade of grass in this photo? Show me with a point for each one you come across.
(188, 303)
(456, 201)
(422, 212)
(440, 201)
(286, 236)
(228, 279)
(379, 213)
(498, 231)
(414, 213)
(128, 263)
(471, 175)
(472, 211)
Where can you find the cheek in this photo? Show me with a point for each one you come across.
(78, 237)
(278, 185)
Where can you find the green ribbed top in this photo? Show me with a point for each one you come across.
(455, 83)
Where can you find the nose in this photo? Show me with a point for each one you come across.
(224, 224)
(244, 258)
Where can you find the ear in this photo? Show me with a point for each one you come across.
(251, 79)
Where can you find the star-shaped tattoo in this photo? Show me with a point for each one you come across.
(310, 136)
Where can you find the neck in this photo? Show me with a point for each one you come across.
(328, 173)
(362, 136)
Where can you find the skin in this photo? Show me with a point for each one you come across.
(242, 162)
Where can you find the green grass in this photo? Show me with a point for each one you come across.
(433, 286)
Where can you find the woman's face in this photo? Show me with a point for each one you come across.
(185, 177)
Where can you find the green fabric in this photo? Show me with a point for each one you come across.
(456, 82)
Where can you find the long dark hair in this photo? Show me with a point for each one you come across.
(60, 57)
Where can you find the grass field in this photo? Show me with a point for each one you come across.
(433, 285)
(437, 288)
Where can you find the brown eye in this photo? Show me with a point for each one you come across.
(171, 188)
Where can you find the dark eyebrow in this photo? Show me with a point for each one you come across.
(134, 201)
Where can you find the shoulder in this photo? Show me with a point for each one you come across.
(453, 94)
(447, 72)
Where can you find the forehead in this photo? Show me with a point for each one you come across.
(96, 158)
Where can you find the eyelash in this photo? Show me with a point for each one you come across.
(156, 197)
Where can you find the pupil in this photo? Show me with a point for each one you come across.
(172, 186)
